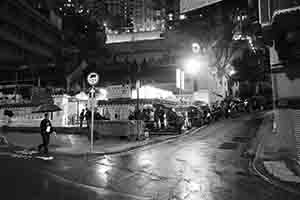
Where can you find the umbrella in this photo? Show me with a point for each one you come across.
(147, 106)
(82, 96)
(9, 113)
(47, 108)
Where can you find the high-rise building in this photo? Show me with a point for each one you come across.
(27, 36)
(137, 15)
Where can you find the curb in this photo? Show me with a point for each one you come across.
(75, 155)
(187, 133)
(258, 167)
(270, 180)
(36, 130)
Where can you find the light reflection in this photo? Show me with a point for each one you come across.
(105, 160)
(103, 169)
(103, 173)
(195, 168)
(145, 159)
(194, 187)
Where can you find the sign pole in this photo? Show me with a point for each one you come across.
(92, 115)
(138, 106)
(138, 85)
(93, 79)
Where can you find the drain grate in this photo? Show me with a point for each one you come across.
(241, 139)
(229, 145)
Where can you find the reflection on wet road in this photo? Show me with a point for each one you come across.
(206, 165)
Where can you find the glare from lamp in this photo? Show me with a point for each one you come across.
(182, 16)
(192, 66)
(232, 72)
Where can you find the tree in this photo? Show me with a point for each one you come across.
(213, 33)
(249, 68)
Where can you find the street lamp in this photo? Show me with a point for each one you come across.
(182, 17)
(232, 72)
(192, 66)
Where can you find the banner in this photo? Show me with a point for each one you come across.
(188, 5)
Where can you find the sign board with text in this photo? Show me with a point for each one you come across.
(118, 91)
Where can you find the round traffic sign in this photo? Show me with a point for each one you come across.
(93, 78)
(196, 48)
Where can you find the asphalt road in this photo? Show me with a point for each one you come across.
(205, 165)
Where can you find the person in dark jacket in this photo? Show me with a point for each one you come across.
(81, 117)
(88, 117)
(46, 130)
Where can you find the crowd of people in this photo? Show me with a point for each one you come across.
(161, 117)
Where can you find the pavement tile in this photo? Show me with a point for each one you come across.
(269, 149)
(281, 171)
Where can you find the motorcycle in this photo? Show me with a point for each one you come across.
(207, 118)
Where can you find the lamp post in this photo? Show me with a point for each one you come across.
(180, 81)
(138, 85)
(93, 79)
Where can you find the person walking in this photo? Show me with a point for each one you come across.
(46, 130)
(88, 117)
(81, 118)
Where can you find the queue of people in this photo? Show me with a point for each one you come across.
(158, 118)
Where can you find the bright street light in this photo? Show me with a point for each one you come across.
(182, 16)
(232, 72)
(192, 66)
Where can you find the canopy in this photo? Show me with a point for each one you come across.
(154, 102)
(47, 108)
(82, 96)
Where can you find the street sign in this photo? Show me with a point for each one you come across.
(196, 48)
(92, 91)
(93, 78)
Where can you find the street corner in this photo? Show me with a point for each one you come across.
(280, 170)
(277, 173)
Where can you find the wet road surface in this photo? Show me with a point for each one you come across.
(205, 165)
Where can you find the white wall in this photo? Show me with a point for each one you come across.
(287, 87)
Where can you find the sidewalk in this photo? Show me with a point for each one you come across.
(274, 160)
(78, 145)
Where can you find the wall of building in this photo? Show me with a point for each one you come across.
(131, 37)
(282, 17)
(26, 36)
(140, 12)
